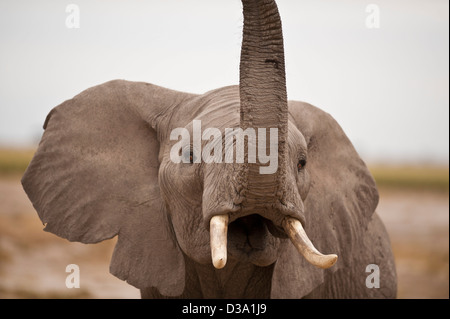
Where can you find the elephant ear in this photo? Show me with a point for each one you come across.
(95, 176)
(341, 200)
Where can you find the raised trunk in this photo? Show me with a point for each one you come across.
(263, 107)
(263, 92)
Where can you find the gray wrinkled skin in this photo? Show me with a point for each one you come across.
(103, 169)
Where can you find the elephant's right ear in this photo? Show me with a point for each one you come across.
(95, 176)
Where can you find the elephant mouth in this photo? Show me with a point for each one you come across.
(254, 238)
(253, 230)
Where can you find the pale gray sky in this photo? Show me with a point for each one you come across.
(387, 87)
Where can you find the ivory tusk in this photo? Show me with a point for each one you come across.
(296, 233)
(218, 236)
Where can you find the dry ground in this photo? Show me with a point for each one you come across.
(418, 223)
(33, 262)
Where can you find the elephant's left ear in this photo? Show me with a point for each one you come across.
(95, 176)
(340, 204)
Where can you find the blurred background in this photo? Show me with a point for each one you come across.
(379, 67)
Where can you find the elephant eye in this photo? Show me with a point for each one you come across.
(301, 164)
(188, 155)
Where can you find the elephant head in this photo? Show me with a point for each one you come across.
(131, 159)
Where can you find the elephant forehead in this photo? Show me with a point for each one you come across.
(221, 112)
(296, 140)
(216, 109)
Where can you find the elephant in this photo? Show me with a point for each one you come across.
(220, 229)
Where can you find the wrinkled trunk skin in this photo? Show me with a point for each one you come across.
(263, 95)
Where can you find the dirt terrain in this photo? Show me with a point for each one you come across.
(33, 262)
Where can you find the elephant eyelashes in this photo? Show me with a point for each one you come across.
(187, 154)
(189, 157)
(301, 164)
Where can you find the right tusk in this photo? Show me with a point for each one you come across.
(296, 233)
(218, 236)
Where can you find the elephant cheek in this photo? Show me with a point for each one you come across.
(184, 210)
(303, 185)
(191, 236)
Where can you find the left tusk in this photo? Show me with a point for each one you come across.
(218, 236)
(296, 233)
